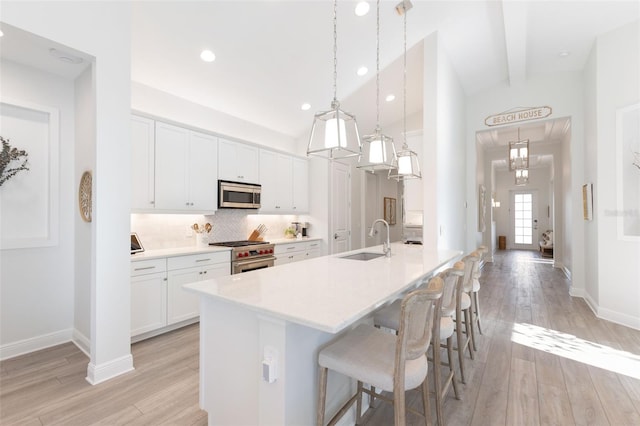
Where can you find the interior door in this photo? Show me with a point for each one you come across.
(340, 229)
(524, 219)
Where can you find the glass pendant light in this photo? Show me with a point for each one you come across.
(377, 149)
(406, 163)
(519, 154)
(334, 134)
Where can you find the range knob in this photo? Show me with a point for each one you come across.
(240, 254)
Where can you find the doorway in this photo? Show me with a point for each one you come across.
(524, 219)
(340, 216)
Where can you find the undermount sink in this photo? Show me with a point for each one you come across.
(363, 256)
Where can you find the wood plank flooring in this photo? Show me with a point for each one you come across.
(530, 368)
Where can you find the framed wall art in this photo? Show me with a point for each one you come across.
(29, 200)
(390, 210)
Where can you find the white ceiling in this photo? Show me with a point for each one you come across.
(274, 55)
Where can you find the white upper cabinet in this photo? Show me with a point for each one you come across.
(300, 183)
(185, 170)
(285, 182)
(237, 162)
(142, 167)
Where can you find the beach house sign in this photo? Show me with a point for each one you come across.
(516, 116)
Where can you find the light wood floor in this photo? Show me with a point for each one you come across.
(509, 383)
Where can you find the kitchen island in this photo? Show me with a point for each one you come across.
(271, 323)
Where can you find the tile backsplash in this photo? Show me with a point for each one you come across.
(161, 231)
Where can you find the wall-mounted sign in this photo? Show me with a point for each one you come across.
(525, 114)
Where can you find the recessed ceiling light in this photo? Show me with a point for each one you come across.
(362, 8)
(305, 107)
(390, 98)
(65, 56)
(564, 53)
(207, 56)
(1, 33)
(362, 71)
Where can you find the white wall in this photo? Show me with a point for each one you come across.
(102, 30)
(85, 159)
(164, 105)
(451, 156)
(36, 290)
(617, 85)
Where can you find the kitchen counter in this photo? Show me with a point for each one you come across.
(327, 293)
(178, 251)
(292, 240)
(277, 319)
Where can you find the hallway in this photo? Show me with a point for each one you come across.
(551, 375)
(517, 377)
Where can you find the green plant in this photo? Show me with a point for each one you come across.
(8, 156)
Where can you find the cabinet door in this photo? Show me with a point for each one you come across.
(203, 172)
(269, 182)
(142, 163)
(227, 169)
(300, 185)
(237, 162)
(181, 304)
(172, 147)
(247, 162)
(284, 171)
(148, 303)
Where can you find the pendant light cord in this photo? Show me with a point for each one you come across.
(335, 50)
(404, 86)
(378, 67)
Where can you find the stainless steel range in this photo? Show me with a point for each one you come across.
(249, 255)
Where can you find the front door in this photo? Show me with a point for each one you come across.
(340, 229)
(524, 220)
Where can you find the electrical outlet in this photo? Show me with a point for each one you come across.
(188, 232)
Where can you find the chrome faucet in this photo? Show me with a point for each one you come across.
(386, 247)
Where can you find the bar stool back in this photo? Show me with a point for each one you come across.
(385, 361)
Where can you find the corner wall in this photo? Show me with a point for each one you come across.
(617, 86)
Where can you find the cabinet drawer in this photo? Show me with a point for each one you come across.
(203, 259)
(313, 245)
(151, 266)
(289, 248)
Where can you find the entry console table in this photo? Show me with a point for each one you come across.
(261, 331)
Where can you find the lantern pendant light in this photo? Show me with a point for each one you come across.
(519, 154)
(522, 177)
(334, 134)
(406, 163)
(377, 149)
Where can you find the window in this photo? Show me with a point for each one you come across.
(523, 214)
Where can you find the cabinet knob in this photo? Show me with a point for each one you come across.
(187, 203)
(204, 272)
(152, 202)
(240, 177)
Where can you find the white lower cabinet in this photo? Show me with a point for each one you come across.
(296, 251)
(148, 295)
(157, 297)
(184, 305)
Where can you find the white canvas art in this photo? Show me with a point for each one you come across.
(628, 168)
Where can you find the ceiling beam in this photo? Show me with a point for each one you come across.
(514, 15)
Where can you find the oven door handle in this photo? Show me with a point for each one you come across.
(260, 259)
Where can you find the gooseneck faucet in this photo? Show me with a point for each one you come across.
(386, 247)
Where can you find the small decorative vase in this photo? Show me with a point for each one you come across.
(202, 240)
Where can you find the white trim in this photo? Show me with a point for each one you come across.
(591, 303)
(566, 271)
(11, 350)
(619, 318)
(82, 342)
(103, 372)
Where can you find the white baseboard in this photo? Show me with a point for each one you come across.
(566, 271)
(591, 303)
(82, 342)
(100, 373)
(618, 318)
(11, 350)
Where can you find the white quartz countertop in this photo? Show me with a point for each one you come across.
(292, 240)
(177, 251)
(328, 293)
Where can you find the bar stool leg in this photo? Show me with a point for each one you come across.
(451, 369)
(468, 325)
(425, 402)
(359, 404)
(476, 302)
(322, 396)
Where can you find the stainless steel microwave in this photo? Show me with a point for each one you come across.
(238, 195)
